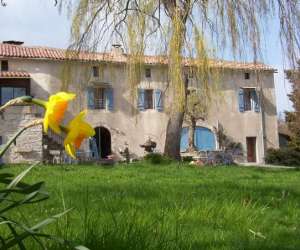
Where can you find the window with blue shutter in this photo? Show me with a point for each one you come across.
(90, 98)
(158, 100)
(241, 100)
(141, 99)
(109, 96)
(255, 100)
(204, 139)
(184, 140)
(248, 100)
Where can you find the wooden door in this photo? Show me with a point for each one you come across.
(251, 149)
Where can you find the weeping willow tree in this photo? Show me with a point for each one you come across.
(180, 28)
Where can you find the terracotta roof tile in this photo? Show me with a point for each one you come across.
(14, 74)
(19, 51)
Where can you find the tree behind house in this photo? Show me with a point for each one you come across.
(196, 109)
(293, 117)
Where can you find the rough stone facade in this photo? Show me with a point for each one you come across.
(125, 122)
(28, 146)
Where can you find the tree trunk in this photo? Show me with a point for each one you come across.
(192, 129)
(174, 127)
(173, 135)
(178, 81)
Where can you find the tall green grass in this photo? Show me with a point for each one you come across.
(140, 206)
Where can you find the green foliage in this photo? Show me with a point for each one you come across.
(292, 117)
(156, 159)
(226, 143)
(187, 159)
(13, 198)
(143, 206)
(284, 156)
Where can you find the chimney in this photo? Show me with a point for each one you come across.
(117, 49)
(13, 42)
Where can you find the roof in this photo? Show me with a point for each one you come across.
(14, 74)
(20, 51)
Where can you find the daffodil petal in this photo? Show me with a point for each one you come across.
(55, 110)
(78, 140)
(70, 150)
(78, 131)
(87, 129)
(66, 96)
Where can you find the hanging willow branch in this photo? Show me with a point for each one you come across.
(3, 3)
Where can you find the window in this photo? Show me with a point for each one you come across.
(100, 98)
(150, 99)
(247, 76)
(11, 88)
(95, 71)
(4, 65)
(248, 100)
(148, 73)
(204, 139)
(9, 93)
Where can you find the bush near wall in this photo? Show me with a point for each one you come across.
(283, 156)
(156, 158)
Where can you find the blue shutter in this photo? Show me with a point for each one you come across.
(141, 99)
(94, 154)
(204, 139)
(158, 100)
(90, 98)
(184, 140)
(241, 100)
(109, 98)
(255, 100)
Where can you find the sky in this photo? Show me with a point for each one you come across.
(39, 23)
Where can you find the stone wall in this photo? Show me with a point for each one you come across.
(28, 146)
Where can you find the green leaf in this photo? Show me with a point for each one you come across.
(80, 248)
(20, 177)
(32, 231)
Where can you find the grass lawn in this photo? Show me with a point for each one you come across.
(140, 206)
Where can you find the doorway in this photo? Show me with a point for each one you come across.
(103, 141)
(251, 149)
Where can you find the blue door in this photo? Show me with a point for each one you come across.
(184, 141)
(204, 139)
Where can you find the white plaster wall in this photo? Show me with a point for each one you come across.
(126, 124)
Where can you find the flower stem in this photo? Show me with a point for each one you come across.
(16, 135)
(7, 145)
(64, 129)
(39, 102)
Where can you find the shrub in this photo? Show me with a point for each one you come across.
(219, 158)
(156, 158)
(187, 158)
(284, 156)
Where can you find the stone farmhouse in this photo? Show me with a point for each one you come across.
(100, 82)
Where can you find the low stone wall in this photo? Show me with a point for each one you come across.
(28, 146)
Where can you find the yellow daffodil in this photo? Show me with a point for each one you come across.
(55, 110)
(78, 130)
